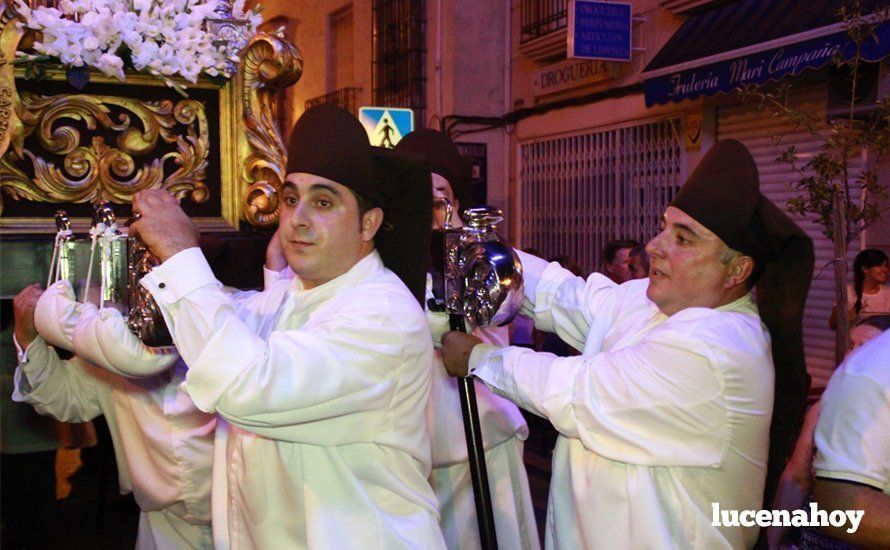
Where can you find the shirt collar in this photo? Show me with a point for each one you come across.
(744, 304)
(357, 273)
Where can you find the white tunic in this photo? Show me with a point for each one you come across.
(660, 418)
(503, 431)
(324, 390)
(853, 433)
(163, 445)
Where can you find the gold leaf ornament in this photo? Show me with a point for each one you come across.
(270, 64)
(92, 170)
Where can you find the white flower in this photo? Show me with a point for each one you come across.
(111, 65)
(165, 37)
(90, 43)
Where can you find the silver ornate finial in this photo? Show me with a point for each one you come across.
(103, 213)
(483, 275)
(63, 222)
(230, 32)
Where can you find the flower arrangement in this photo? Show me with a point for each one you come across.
(165, 38)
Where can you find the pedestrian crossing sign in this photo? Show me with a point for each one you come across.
(386, 126)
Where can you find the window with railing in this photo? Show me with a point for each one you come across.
(340, 49)
(343, 98)
(399, 54)
(579, 192)
(541, 17)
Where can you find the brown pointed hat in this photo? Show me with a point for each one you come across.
(404, 239)
(723, 194)
(444, 159)
(330, 142)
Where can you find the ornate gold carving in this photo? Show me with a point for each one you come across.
(252, 154)
(10, 124)
(269, 64)
(94, 171)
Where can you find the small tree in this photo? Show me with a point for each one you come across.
(826, 181)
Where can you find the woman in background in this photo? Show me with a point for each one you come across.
(869, 295)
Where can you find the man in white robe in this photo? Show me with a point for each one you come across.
(320, 377)
(163, 445)
(667, 412)
(852, 464)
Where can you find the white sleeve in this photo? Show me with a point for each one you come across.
(104, 339)
(565, 304)
(853, 432)
(270, 277)
(61, 389)
(344, 365)
(56, 314)
(657, 403)
(496, 336)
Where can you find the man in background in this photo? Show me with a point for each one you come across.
(616, 259)
(639, 262)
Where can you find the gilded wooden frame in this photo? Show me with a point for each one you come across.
(252, 155)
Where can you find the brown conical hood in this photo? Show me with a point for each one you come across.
(328, 141)
(444, 160)
(723, 194)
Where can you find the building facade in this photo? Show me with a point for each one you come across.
(582, 151)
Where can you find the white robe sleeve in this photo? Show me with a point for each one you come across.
(657, 403)
(56, 314)
(562, 303)
(343, 365)
(104, 339)
(99, 337)
(61, 389)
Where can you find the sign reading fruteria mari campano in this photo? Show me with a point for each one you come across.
(570, 74)
(724, 75)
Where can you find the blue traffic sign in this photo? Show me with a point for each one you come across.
(599, 30)
(386, 126)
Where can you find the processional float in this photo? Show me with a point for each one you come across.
(89, 144)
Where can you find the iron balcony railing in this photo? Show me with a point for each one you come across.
(542, 17)
(343, 98)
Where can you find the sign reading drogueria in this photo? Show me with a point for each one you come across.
(570, 74)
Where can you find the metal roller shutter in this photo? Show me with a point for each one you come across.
(578, 192)
(759, 131)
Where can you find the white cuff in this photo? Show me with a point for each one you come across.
(180, 275)
(479, 356)
(22, 354)
(270, 276)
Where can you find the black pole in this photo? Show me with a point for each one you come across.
(475, 452)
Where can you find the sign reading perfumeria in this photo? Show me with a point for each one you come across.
(793, 518)
(599, 30)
